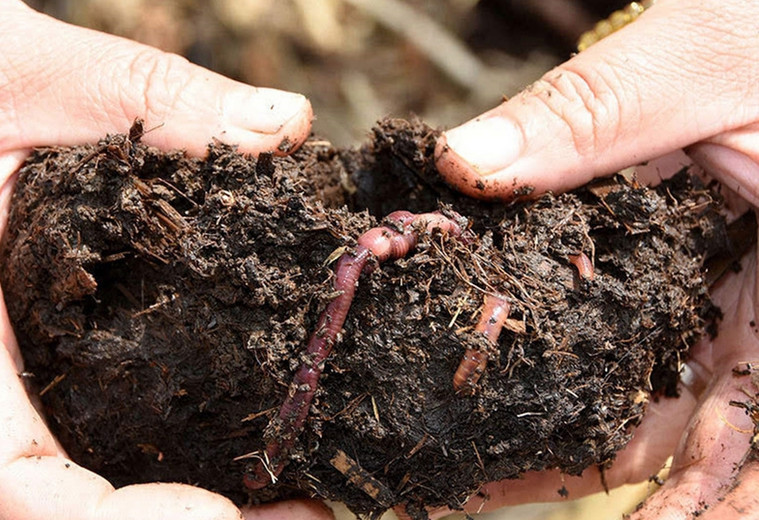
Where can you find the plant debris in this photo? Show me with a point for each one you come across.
(164, 303)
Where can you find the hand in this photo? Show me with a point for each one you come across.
(63, 85)
(684, 75)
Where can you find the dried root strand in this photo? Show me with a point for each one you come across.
(362, 479)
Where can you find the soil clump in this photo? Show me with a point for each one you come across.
(163, 302)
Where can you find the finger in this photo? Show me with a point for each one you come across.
(733, 158)
(53, 487)
(290, 510)
(22, 430)
(9, 164)
(717, 439)
(681, 73)
(740, 502)
(705, 465)
(68, 85)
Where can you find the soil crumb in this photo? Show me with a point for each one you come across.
(163, 303)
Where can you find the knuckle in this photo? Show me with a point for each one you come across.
(154, 86)
(587, 104)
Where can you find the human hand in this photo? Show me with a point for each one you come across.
(63, 85)
(684, 75)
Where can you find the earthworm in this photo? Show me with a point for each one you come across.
(583, 264)
(495, 310)
(383, 243)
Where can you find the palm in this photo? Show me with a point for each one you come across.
(709, 436)
(712, 448)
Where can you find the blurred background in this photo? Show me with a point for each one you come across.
(444, 61)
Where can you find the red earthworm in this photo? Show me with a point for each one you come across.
(495, 310)
(383, 243)
(583, 264)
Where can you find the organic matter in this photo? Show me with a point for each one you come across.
(164, 306)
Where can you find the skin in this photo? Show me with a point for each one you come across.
(64, 85)
(684, 75)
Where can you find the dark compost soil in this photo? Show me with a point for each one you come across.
(162, 303)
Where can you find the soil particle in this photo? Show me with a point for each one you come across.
(163, 303)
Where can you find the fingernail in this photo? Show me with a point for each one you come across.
(262, 110)
(487, 144)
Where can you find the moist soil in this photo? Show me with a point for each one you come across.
(163, 303)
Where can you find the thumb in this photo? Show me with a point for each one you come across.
(62, 85)
(679, 74)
